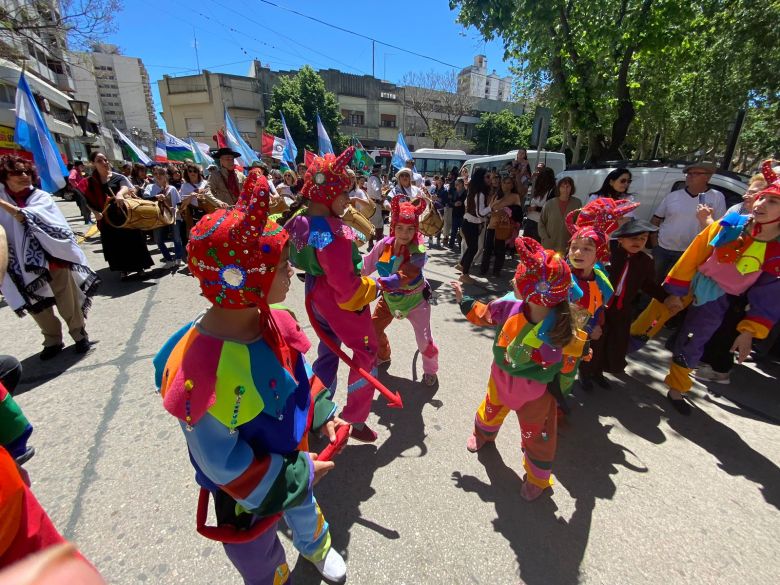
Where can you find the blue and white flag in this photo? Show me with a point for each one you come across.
(323, 140)
(32, 134)
(290, 150)
(143, 158)
(237, 143)
(401, 153)
(200, 152)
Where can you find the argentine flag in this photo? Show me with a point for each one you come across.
(237, 143)
(32, 134)
(323, 140)
(401, 152)
(201, 152)
(290, 150)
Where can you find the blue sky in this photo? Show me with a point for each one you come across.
(232, 33)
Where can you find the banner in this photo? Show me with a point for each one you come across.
(273, 146)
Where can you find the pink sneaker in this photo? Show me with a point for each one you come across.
(530, 491)
(364, 434)
(474, 443)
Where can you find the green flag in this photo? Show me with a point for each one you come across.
(361, 161)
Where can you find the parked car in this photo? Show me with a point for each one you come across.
(650, 183)
(554, 160)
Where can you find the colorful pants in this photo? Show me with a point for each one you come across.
(262, 561)
(535, 409)
(420, 319)
(354, 330)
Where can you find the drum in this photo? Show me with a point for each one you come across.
(138, 214)
(367, 208)
(353, 218)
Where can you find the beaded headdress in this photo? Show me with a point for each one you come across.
(234, 252)
(597, 220)
(543, 277)
(407, 212)
(326, 177)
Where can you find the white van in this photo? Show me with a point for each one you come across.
(555, 160)
(650, 184)
(439, 161)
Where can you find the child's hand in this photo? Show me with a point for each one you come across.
(458, 290)
(743, 345)
(321, 468)
(596, 333)
(673, 304)
(329, 430)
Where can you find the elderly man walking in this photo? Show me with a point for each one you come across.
(226, 184)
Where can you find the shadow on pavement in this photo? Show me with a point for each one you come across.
(113, 288)
(48, 370)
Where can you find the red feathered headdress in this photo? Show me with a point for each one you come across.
(543, 277)
(326, 177)
(234, 252)
(772, 190)
(597, 220)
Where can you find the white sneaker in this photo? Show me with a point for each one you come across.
(705, 373)
(332, 567)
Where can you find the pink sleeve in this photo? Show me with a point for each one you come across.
(370, 259)
(352, 291)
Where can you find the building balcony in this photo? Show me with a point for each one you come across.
(362, 132)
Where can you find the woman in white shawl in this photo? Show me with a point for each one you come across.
(46, 267)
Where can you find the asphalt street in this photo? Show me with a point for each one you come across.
(642, 494)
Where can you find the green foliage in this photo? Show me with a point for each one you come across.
(618, 71)
(300, 97)
(501, 132)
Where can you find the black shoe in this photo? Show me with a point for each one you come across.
(50, 351)
(26, 456)
(602, 381)
(680, 405)
(586, 383)
(83, 345)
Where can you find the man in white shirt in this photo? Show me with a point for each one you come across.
(683, 214)
(374, 192)
(417, 178)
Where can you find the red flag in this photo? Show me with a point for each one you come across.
(308, 157)
(272, 146)
(219, 138)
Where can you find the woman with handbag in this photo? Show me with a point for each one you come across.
(500, 225)
(167, 195)
(124, 249)
(477, 211)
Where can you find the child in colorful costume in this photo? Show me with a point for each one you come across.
(399, 259)
(337, 296)
(631, 271)
(245, 397)
(737, 255)
(536, 340)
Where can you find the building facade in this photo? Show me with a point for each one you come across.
(372, 110)
(475, 81)
(118, 89)
(42, 51)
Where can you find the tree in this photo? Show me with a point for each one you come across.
(300, 97)
(434, 97)
(501, 132)
(42, 23)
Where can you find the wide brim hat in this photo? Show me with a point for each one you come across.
(705, 166)
(634, 227)
(225, 150)
(404, 171)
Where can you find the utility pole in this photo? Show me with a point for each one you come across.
(197, 59)
(373, 54)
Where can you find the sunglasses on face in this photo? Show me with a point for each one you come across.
(626, 181)
(19, 172)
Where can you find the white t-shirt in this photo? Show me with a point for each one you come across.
(358, 193)
(678, 210)
(417, 179)
(482, 209)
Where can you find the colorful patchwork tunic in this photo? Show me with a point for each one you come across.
(521, 348)
(401, 276)
(596, 292)
(246, 409)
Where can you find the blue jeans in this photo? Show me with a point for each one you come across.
(664, 260)
(160, 237)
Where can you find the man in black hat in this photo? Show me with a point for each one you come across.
(227, 183)
(630, 272)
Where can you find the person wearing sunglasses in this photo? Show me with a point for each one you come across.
(46, 267)
(683, 214)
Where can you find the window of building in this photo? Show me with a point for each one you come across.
(194, 125)
(246, 126)
(387, 121)
(353, 117)
(7, 94)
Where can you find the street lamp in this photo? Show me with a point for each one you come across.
(81, 110)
